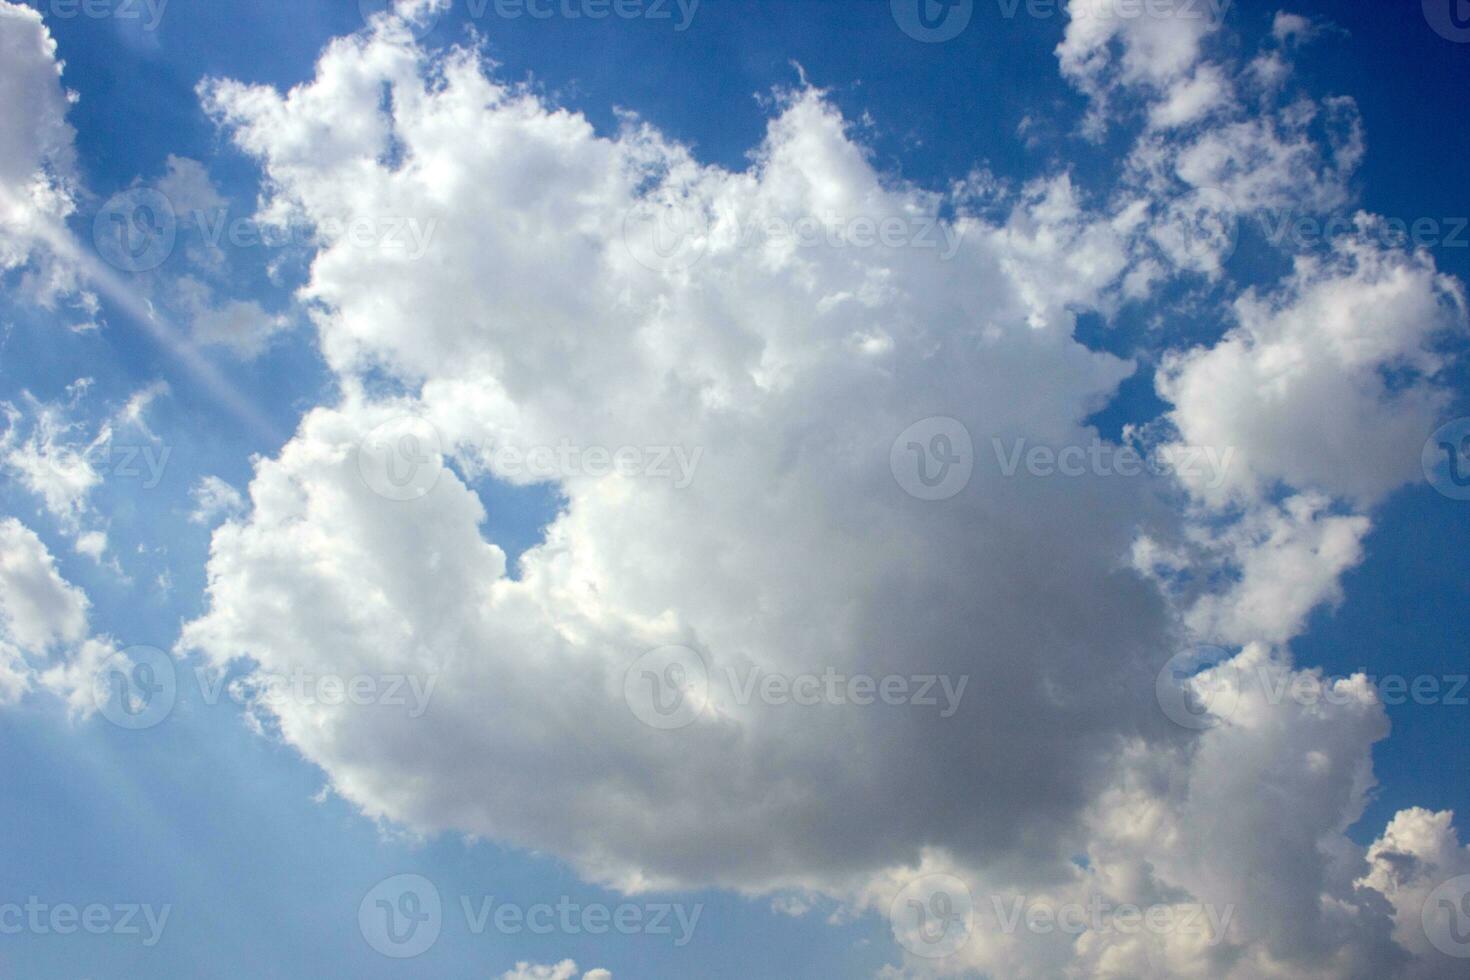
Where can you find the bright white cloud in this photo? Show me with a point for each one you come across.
(565, 970)
(213, 499)
(40, 609)
(1411, 864)
(1308, 384)
(37, 159)
(44, 628)
(54, 452)
(542, 315)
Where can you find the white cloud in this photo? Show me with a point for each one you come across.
(1290, 28)
(41, 610)
(241, 326)
(55, 460)
(49, 449)
(1188, 101)
(213, 499)
(37, 158)
(1417, 854)
(538, 315)
(565, 970)
(93, 544)
(1105, 53)
(1282, 562)
(188, 187)
(43, 625)
(1302, 385)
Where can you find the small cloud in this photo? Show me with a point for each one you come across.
(242, 327)
(188, 187)
(213, 499)
(565, 970)
(93, 544)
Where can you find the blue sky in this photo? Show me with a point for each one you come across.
(263, 829)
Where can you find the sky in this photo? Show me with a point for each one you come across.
(556, 489)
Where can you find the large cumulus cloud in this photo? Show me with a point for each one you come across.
(540, 315)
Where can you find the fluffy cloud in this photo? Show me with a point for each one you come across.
(241, 326)
(1311, 383)
(48, 449)
(755, 356)
(37, 159)
(609, 292)
(565, 970)
(213, 499)
(1419, 855)
(43, 625)
(1105, 52)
